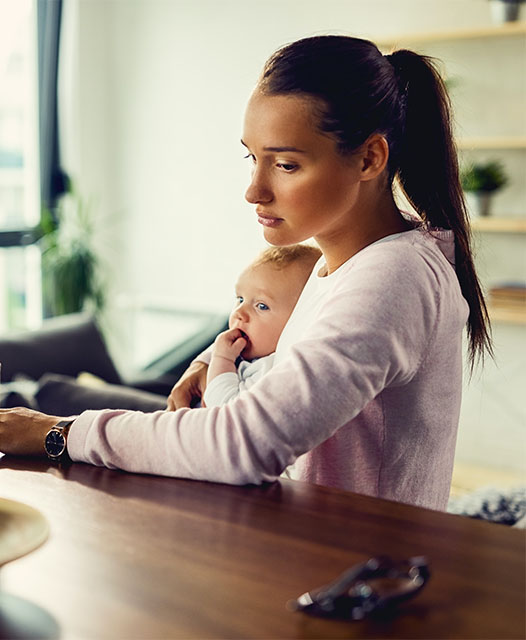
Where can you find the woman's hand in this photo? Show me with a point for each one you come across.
(189, 388)
(23, 431)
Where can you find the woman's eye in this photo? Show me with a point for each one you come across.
(262, 306)
(286, 166)
(250, 156)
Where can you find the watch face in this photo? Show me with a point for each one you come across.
(55, 444)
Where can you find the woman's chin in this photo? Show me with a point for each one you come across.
(274, 237)
(282, 236)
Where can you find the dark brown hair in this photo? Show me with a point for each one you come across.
(402, 96)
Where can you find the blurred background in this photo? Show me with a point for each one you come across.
(122, 175)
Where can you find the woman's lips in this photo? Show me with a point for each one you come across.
(268, 221)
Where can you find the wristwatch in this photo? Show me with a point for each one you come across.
(56, 440)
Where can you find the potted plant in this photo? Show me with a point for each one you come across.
(70, 270)
(480, 181)
(505, 10)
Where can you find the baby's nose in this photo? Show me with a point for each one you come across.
(239, 318)
(241, 312)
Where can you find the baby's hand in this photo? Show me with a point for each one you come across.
(229, 345)
(227, 348)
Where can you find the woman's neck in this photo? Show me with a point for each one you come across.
(374, 217)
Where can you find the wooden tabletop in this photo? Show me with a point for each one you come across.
(133, 556)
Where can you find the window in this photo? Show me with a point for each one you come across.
(20, 304)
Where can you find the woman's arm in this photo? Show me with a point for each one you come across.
(190, 387)
(373, 332)
(23, 431)
(218, 358)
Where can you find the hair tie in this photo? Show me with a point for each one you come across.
(401, 78)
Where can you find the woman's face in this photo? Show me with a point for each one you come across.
(301, 186)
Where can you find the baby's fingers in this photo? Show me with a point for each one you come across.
(239, 343)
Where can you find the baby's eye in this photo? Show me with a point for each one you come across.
(239, 300)
(262, 306)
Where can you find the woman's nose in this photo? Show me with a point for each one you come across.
(258, 190)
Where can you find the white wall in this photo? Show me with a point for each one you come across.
(154, 93)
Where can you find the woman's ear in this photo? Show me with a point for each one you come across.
(375, 155)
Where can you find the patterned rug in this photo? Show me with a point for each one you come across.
(504, 506)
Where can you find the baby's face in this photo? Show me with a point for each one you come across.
(266, 297)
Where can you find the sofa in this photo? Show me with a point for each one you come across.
(44, 369)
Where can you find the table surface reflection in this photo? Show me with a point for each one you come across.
(135, 556)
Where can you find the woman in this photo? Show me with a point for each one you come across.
(366, 387)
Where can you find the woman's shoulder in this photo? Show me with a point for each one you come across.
(414, 259)
(414, 247)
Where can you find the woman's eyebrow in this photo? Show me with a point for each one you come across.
(279, 149)
(283, 149)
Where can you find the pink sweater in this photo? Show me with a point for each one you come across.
(364, 394)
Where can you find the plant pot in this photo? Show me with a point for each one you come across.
(478, 203)
(505, 10)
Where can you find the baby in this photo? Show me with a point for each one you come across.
(266, 292)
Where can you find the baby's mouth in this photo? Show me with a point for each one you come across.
(244, 335)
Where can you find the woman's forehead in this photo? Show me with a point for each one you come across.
(279, 121)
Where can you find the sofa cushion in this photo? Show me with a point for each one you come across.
(66, 345)
(19, 393)
(64, 396)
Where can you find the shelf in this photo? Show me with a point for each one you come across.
(507, 315)
(495, 224)
(492, 142)
(495, 31)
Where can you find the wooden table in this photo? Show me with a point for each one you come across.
(133, 556)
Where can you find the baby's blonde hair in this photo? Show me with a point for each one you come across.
(282, 257)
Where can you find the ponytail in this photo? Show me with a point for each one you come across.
(433, 187)
(403, 97)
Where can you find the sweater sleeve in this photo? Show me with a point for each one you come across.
(222, 389)
(371, 333)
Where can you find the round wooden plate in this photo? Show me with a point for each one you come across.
(22, 529)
